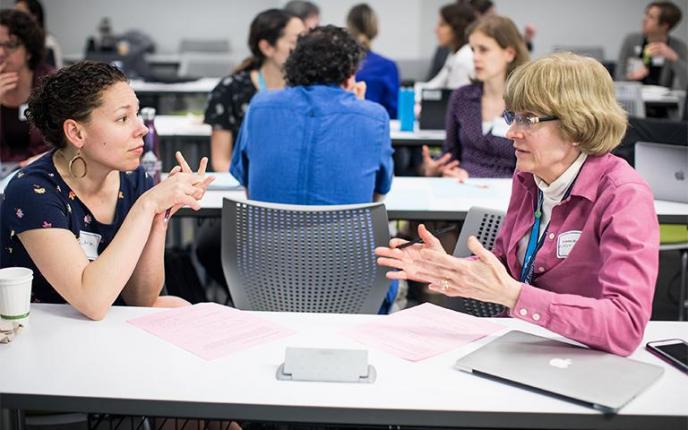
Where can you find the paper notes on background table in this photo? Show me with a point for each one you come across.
(422, 331)
(210, 330)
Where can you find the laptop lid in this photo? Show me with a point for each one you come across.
(603, 381)
(433, 108)
(665, 168)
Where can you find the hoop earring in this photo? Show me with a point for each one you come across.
(74, 159)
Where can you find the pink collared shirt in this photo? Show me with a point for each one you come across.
(594, 277)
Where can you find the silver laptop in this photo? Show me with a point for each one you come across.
(665, 168)
(603, 381)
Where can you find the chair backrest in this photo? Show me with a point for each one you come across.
(296, 258)
(205, 65)
(204, 45)
(484, 224)
(596, 52)
(630, 97)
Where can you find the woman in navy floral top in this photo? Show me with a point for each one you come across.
(85, 217)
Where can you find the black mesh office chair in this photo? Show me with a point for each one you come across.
(484, 224)
(295, 258)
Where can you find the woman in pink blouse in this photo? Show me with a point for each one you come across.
(578, 249)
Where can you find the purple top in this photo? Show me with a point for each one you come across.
(595, 274)
(482, 156)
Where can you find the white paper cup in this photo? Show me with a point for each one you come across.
(15, 293)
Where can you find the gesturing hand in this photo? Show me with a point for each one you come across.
(432, 167)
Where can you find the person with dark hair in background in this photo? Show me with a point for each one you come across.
(307, 11)
(380, 74)
(90, 198)
(451, 33)
(53, 54)
(483, 8)
(22, 49)
(294, 141)
(272, 36)
(653, 57)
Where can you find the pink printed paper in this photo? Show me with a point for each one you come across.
(210, 330)
(422, 331)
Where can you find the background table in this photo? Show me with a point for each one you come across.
(420, 198)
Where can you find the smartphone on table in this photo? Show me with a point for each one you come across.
(673, 351)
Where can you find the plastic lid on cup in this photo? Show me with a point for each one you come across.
(10, 274)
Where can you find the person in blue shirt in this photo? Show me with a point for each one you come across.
(380, 74)
(316, 142)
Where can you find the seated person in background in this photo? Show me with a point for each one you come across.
(22, 49)
(53, 54)
(316, 142)
(451, 33)
(85, 217)
(307, 11)
(483, 8)
(272, 36)
(476, 130)
(380, 74)
(653, 57)
(578, 249)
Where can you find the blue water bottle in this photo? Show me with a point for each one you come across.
(407, 101)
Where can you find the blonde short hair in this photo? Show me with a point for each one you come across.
(579, 91)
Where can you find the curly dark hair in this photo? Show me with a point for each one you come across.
(30, 34)
(324, 56)
(71, 93)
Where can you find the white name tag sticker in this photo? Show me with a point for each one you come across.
(565, 242)
(22, 112)
(89, 243)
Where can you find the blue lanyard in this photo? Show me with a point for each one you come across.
(261, 81)
(533, 243)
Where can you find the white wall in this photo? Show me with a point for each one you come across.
(406, 25)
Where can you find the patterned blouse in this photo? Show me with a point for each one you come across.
(482, 155)
(228, 102)
(37, 197)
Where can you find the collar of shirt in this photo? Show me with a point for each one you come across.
(556, 190)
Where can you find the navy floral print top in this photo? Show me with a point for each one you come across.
(228, 102)
(37, 197)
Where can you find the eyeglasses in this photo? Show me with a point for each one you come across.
(526, 121)
(10, 45)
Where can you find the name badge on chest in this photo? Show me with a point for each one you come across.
(565, 242)
(89, 243)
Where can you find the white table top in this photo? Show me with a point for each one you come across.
(63, 360)
(201, 86)
(657, 94)
(436, 199)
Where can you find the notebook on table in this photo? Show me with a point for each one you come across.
(603, 381)
(665, 168)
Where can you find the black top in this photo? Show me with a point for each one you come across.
(38, 197)
(228, 102)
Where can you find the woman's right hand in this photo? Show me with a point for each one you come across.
(8, 81)
(407, 260)
(432, 167)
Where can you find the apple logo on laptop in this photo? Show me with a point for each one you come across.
(680, 175)
(561, 363)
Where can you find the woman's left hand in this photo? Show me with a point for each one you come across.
(483, 278)
(202, 184)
